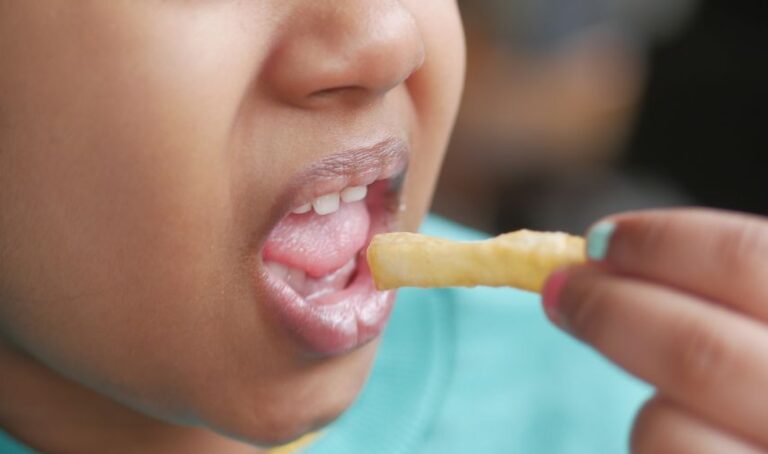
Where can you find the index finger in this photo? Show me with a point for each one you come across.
(719, 255)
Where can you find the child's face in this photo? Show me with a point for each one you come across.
(148, 149)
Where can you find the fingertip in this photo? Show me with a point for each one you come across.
(599, 240)
(550, 294)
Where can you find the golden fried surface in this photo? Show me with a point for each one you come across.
(521, 259)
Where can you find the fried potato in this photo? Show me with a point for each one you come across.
(521, 259)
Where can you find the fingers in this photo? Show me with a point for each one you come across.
(663, 427)
(705, 357)
(718, 255)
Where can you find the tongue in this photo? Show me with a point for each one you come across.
(319, 244)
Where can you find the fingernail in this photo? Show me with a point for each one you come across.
(599, 239)
(550, 295)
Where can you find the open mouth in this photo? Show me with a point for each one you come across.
(314, 258)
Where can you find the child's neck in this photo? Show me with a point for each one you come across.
(52, 414)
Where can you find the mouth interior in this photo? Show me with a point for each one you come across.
(317, 255)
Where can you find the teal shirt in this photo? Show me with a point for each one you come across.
(479, 371)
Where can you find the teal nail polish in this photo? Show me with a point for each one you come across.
(598, 240)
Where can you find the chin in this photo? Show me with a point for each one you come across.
(304, 401)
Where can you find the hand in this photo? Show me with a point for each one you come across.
(680, 299)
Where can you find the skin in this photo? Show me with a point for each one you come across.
(142, 146)
(679, 301)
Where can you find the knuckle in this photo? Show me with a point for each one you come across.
(702, 360)
(742, 247)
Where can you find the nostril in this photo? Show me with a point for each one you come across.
(346, 95)
(330, 92)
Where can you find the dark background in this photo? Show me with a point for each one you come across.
(704, 118)
(580, 111)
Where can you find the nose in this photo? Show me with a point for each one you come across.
(342, 51)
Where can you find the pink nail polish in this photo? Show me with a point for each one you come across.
(550, 295)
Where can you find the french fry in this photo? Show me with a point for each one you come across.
(521, 259)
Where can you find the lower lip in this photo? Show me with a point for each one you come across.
(339, 322)
(358, 314)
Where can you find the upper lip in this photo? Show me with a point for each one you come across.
(354, 167)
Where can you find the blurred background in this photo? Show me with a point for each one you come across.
(575, 109)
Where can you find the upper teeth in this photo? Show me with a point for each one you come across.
(354, 193)
(329, 203)
(326, 204)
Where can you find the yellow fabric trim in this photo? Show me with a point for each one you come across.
(294, 447)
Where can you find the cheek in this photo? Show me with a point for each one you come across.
(119, 262)
(121, 246)
(436, 90)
